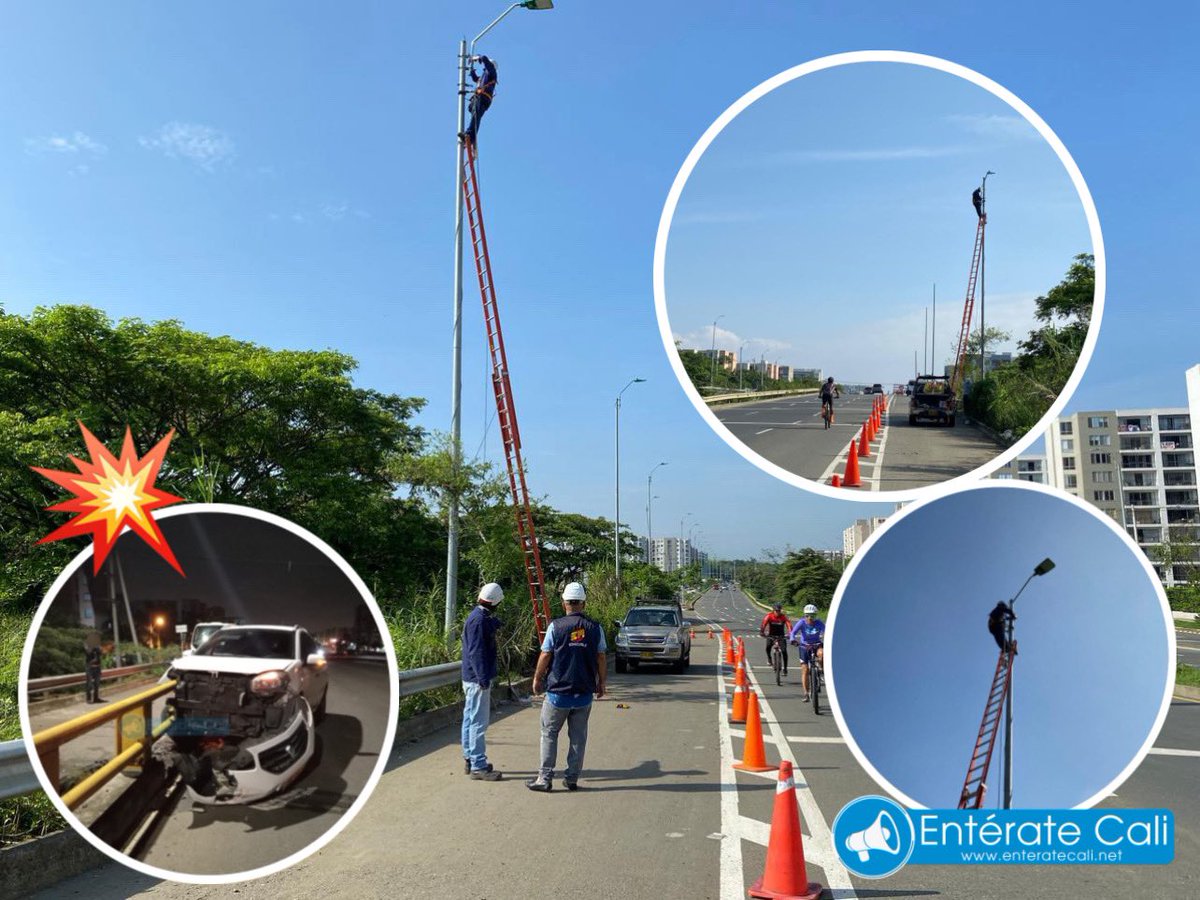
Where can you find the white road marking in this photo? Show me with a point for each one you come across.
(764, 431)
(1163, 751)
(732, 881)
(814, 739)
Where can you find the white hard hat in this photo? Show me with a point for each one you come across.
(810, 610)
(491, 593)
(573, 593)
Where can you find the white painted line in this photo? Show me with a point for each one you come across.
(1163, 751)
(816, 740)
(821, 838)
(764, 431)
(732, 881)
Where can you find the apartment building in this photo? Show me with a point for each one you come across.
(1028, 467)
(856, 535)
(1139, 467)
(669, 554)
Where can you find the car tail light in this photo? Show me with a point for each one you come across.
(269, 682)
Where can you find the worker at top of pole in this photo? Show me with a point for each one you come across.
(481, 97)
(977, 199)
(999, 620)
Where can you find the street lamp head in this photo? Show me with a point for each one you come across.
(538, 4)
(1044, 566)
(639, 380)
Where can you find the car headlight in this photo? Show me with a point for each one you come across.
(672, 640)
(268, 683)
(622, 639)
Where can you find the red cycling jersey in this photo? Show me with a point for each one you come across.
(775, 619)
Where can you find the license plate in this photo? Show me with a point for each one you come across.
(646, 654)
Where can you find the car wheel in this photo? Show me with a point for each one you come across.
(687, 660)
(633, 667)
(319, 712)
(622, 665)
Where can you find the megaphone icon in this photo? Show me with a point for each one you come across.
(875, 838)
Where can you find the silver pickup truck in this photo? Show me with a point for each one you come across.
(654, 631)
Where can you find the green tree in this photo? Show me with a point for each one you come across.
(806, 576)
(291, 432)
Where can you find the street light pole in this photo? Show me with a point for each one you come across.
(649, 505)
(740, 366)
(452, 525)
(982, 279)
(1041, 569)
(617, 455)
(712, 380)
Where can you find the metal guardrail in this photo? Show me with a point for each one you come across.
(50, 682)
(752, 396)
(416, 681)
(16, 772)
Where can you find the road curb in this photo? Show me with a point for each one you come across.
(43, 862)
(1187, 691)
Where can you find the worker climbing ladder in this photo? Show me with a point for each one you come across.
(505, 405)
(960, 356)
(974, 785)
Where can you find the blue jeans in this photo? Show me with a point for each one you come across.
(553, 719)
(477, 710)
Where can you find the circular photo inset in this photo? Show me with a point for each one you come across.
(877, 272)
(217, 724)
(1000, 647)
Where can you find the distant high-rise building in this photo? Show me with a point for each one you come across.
(1029, 467)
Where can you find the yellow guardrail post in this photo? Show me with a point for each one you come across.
(49, 741)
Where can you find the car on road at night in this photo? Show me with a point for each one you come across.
(653, 631)
(245, 706)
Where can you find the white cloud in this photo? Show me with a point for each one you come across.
(78, 142)
(995, 126)
(331, 212)
(754, 347)
(204, 146)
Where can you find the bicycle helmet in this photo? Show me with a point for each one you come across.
(778, 607)
(810, 610)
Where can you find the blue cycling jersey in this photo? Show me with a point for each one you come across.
(809, 634)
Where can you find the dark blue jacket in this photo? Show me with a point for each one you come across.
(573, 668)
(479, 647)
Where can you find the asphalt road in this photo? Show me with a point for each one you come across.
(1187, 646)
(1167, 778)
(200, 839)
(662, 814)
(790, 433)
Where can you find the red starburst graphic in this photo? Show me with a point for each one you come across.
(111, 494)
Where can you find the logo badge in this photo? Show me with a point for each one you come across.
(873, 836)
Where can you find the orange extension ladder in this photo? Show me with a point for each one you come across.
(505, 407)
(960, 357)
(981, 757)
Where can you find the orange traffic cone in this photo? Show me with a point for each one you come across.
(737, 715)
(710, 634)
(837, 480)
(741, 651)
(754, 759)
(864, 442)
(785, 876)
(870, 425)
(739, 675)
(851, 478)
(729, 653)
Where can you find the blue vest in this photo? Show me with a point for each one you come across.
(573, 666)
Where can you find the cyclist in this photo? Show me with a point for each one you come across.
(828, 392)
(809, 634)
(776, 625)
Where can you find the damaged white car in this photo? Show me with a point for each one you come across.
(245, 705)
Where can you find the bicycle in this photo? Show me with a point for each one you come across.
(827, 414)
(777, 657)
(816, 678)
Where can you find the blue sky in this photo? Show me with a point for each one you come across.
(912, 660)
(282, 172)
(819, 220)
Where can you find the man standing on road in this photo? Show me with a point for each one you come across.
(478, 673)
(809, 634)
(91, 656)
(776, 625)
(572, 668)
(998, 620)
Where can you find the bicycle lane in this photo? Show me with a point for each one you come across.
(746, 809)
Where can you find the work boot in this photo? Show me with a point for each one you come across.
(488, 774)
(571, 785)
(536, 784)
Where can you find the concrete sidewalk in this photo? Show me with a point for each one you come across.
(645, 822)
